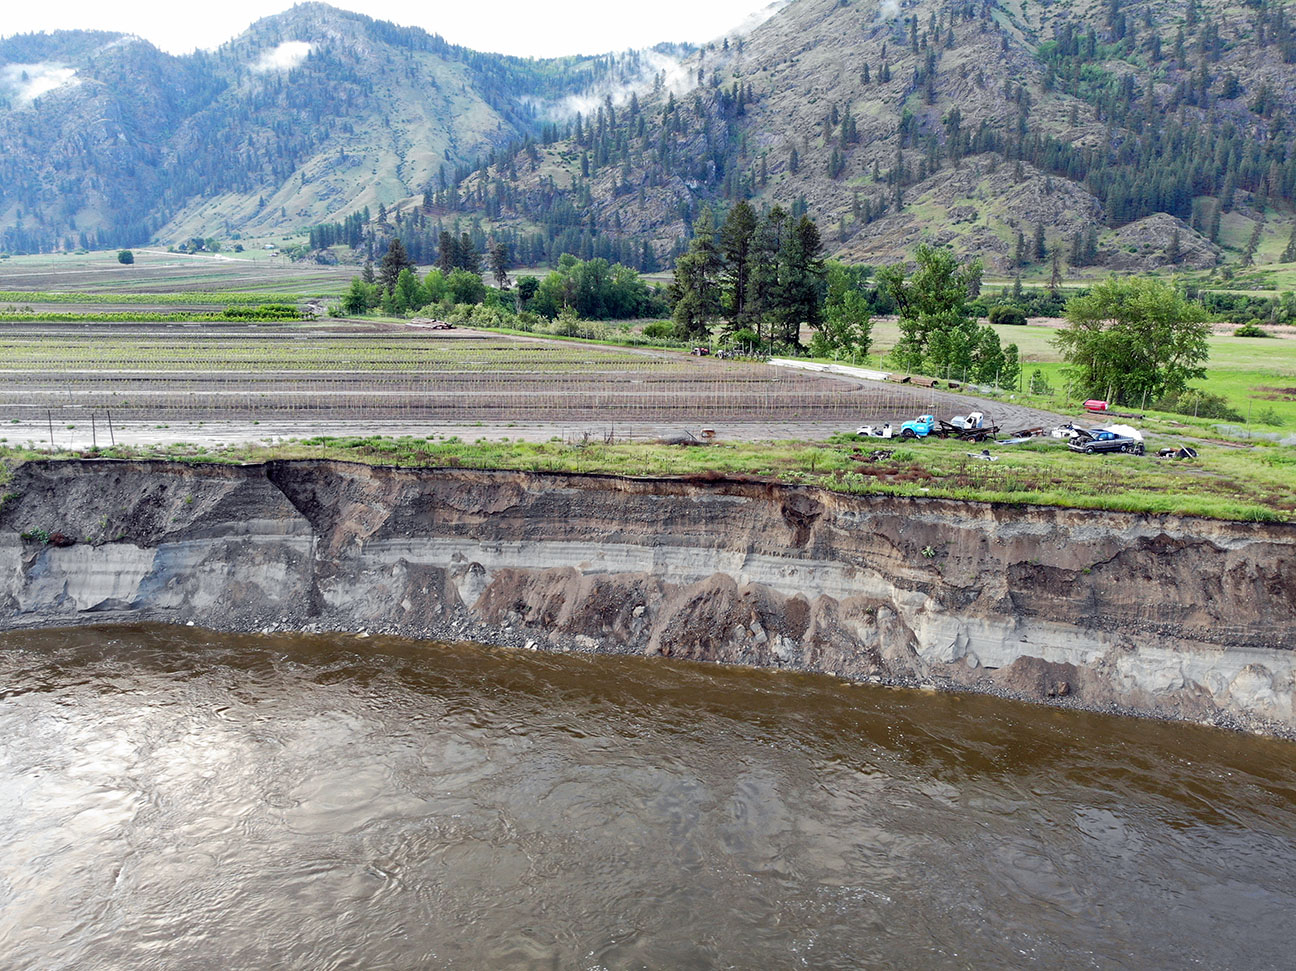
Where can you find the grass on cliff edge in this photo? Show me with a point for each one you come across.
(1249, 484)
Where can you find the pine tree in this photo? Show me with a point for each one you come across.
(499, 264)
(696, 288)
(393, 261)
(468, 257)
(447, 253)
(737, 238)
(801, 279)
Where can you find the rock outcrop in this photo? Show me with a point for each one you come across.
(1172, 616)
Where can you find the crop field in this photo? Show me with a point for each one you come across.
(154, 272)
(156, 373)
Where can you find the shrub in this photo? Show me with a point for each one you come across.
(1039, 384)
(660, 330)
(1199, 404)
(1006, 313)
(1251, 330)
(125, 256)
(747, 338)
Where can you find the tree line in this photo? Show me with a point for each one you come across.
(591, 289)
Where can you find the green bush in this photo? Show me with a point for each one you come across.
(660, 330)
(1006, 313)
(1251, 330)
(747, 339)
(1199, 404)
(125, 256)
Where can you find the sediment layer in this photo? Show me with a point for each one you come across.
(1169, 616)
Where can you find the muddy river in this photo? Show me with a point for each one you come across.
(171, 798)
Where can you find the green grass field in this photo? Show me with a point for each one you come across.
(1256, 376)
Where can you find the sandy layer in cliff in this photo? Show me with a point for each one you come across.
(1172, 616)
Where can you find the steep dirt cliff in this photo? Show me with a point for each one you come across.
(1178, 617)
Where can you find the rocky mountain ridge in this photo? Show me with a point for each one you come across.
(1124, 135)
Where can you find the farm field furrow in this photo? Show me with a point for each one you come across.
(314, 374)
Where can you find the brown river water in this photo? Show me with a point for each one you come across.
(173, 798)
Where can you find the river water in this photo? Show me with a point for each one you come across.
(172, 798)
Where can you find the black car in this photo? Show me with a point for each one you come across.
(1118, 438)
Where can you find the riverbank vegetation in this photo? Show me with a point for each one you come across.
(1247, 483)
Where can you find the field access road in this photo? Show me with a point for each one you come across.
(212, 434)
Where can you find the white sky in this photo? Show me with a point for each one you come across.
(522, 27)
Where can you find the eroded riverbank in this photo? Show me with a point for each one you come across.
(1168, 616)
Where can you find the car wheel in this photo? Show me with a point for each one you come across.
(1125, 448)
(908, 433)
(1089, 450)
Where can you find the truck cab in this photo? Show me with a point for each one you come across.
(920, 427)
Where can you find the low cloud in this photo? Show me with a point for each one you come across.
(285, 57)
(889, 10)
(27, 82)
(638, 76)
(642, 70)
(759, 17)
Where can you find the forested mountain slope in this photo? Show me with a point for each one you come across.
(1126, 134)
(1117, 134)
(108, 140)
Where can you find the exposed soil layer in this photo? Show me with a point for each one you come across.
(1168, 616)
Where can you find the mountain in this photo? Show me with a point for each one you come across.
(1116, 134)
(312, 112)
(1126, 135)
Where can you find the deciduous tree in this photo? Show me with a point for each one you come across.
(1133, 340)
(937, 331)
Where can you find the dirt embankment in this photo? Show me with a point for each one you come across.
(1178, 617)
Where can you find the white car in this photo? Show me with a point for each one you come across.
(875, 431)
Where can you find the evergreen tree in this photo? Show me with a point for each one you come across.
(447, 253)
(763, 286)
(801, 279)
(499, 264)
(1173, 252)
(696, 289)
(736, 240)
(393, 261)
(467, 255)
